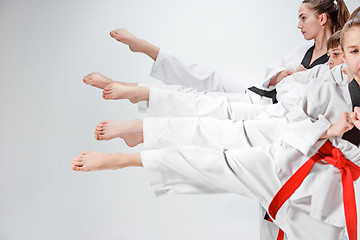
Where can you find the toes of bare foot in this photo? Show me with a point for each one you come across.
(99, 161)
(99, 131)
(113, 34)
(97, 80)
(77, 161)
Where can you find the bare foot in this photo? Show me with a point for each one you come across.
(91, 160)
(100, 81)
(135, 94)
(97, 80)
(123, 36)
(129, 131)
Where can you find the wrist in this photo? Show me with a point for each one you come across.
(331, 132)
(274, 80)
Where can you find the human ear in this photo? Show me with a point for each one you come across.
(323, 19)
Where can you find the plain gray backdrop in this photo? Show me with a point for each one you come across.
(48, 114)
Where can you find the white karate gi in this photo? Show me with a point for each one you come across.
(259, 172)
(164, 103)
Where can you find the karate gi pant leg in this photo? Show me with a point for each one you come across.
(163, 103)
(215, 134)
(208, 132)
(250, 172)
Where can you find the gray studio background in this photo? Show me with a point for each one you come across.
(48, 115)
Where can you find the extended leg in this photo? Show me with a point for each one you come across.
(208, 132)
(165, 103)
(204, 132)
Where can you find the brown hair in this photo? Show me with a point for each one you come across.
(355, 22)
(355, 13)
(337, 12)
(334, 40)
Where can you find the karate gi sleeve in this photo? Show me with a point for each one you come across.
(307, 122)
(291, 89)
(289, 62)
(173, 71)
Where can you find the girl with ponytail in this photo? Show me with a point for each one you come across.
(318, 20)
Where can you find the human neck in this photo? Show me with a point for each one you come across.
(321, 40)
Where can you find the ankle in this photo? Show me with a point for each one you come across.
(137, 126)
(130, 160)
(139, 94)
(143, 94)
(118, 160)
(149, 49)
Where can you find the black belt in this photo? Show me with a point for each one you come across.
(269, 94)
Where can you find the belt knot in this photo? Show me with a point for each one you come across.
(336, 159)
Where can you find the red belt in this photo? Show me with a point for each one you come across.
(349, 172)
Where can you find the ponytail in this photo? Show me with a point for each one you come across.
(342, 15)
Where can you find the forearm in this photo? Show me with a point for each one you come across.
(274, 80)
